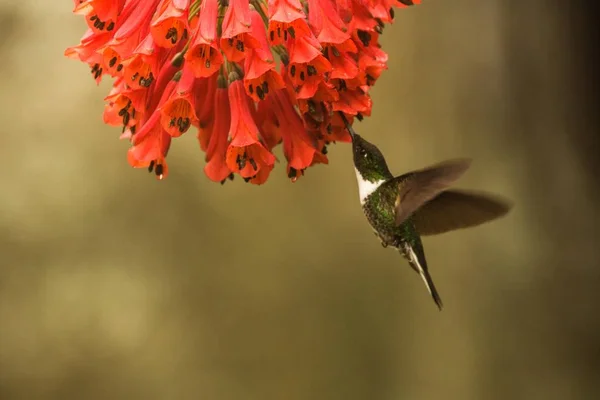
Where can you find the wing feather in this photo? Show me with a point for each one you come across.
(458, 209)
(418, 187)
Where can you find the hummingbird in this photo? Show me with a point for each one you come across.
(401, 209)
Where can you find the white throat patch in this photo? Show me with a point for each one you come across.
(365, 188)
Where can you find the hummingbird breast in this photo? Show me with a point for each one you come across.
(379, 208)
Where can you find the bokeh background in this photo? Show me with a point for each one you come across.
(116, 286)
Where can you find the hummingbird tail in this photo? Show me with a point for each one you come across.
(421, 268)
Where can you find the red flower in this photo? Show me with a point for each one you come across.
(261, 75)
(170, 23)
(177, 114)
(286, 20)
(248, 75)
(204, 56)
(246, 153)
(216, 168)
(236, 38)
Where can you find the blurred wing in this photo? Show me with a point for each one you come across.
(456, 209)
(418, 187)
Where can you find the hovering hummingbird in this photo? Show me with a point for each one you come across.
(402, 209)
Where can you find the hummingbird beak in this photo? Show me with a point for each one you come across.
(348, 126)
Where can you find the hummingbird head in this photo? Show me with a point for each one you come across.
(369, 160)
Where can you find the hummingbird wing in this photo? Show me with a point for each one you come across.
(418, 187)
(457, 209)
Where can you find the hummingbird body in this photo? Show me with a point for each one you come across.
(402, 209)
(378, 200)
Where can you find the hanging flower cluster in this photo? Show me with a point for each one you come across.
(247, 74)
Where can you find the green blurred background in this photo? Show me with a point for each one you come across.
(116, 286)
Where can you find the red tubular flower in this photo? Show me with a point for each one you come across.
(171, 60)
(216, 168)
(236, 38)
(299, 148)
(204, 100)
(100, 15)
(177, 114)
(204, 56)
(307, 66)
(246, 154)
(151, 143)
(140, 69)
(125, 106)
(261, 75)
(170, 23)
(88, 52)
(286, 19)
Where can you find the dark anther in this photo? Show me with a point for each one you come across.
(171, 33)
(335, 51)
(207, 63)
(174, 39)
(134, 77)
(223, 181)
(230, 176)
(370, 80)
(148, 81)
(247, 179)
(133, 113)
(292, 173)
(112, 62)
(93, 17)
(302, 75)
(292, 32)
(392, 13)
(342, 85)
(240, 46)
(253, 163)
(359, 117)
(285, 34)
(97, 23)
(407, 2)
(184, 35)
(159, 170)
(184, 125)
(230, 42)
(285, 60)
(260, 93)
(179, 121)
(101, 26)
(240, 161)
(122, 112)
(133, 129)
(311, 70)
(110, 26)
(279, 31)
(251, 88)
(329, 129)
(365, 37)
(119, 67)
(272, 35)
(324, 150)
(151, 166)
(293, 70)
(126, 119)
(172, 123)
(265, 87)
